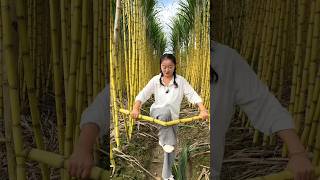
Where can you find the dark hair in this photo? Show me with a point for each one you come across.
(213, 75)
(173, 60)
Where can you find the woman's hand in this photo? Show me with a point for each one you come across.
(135, 113)
(203, 111)
(80, 163)
(204, 114)
(299, 163)
(136, 110)
(301, 166)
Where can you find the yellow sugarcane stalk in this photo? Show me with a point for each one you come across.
(12, 76)
(113, 163)
(112, 68)
(160, 122)
(58, 161)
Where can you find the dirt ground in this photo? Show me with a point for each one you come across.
(244, 160)
(144, 148)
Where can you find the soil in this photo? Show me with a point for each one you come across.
(244, 160)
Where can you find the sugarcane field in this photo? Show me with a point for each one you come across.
(138, 41)
(280, 41)
(53, 63)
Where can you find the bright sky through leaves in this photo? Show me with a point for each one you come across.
(167, 10)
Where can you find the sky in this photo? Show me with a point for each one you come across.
(167, 10)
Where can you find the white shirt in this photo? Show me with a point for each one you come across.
(169, 96)
(239, 85)
(98, 112)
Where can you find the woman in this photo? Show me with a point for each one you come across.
(235, 83)
(168, 89)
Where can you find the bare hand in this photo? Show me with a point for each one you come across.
(80, 163)
(301, 167)
(204, 114)
(135, 113)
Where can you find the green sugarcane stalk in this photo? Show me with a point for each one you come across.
(11, 66)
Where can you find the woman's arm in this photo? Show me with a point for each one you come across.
(137, 105)
(299, 163)
(136, 109)
(194, 98)
(142, 97)
(190, 93)
(147, 91)
(267, 114)
(93, 122)
(81, 161)
(203, 111)
(201, 107)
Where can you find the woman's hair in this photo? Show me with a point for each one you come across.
(213, 75)
(173, 60)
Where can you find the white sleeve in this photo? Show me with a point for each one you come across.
(147, 91)
(190, 93)
(97, 112)
(263, 109)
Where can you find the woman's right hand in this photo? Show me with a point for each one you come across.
(135, 113)
(81, 160)
(80, 163)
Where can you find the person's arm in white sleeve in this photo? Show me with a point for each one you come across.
(96, 112)
(142, 97)
(194, 98)
(263, 109)
(190, 93)
(146, 92)
(93, 122)
(268, 115)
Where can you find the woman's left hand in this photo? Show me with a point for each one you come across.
(204, 114)
(301, 167)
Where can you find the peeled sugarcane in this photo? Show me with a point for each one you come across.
(58, 161)
(162, 123)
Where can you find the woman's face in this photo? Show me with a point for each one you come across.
(167, 67)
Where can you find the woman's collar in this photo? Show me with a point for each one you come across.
(170, 83)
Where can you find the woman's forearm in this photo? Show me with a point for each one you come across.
(137, 105)
(201, 107)
(88, 136)
(291, 139)
(299, 163)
